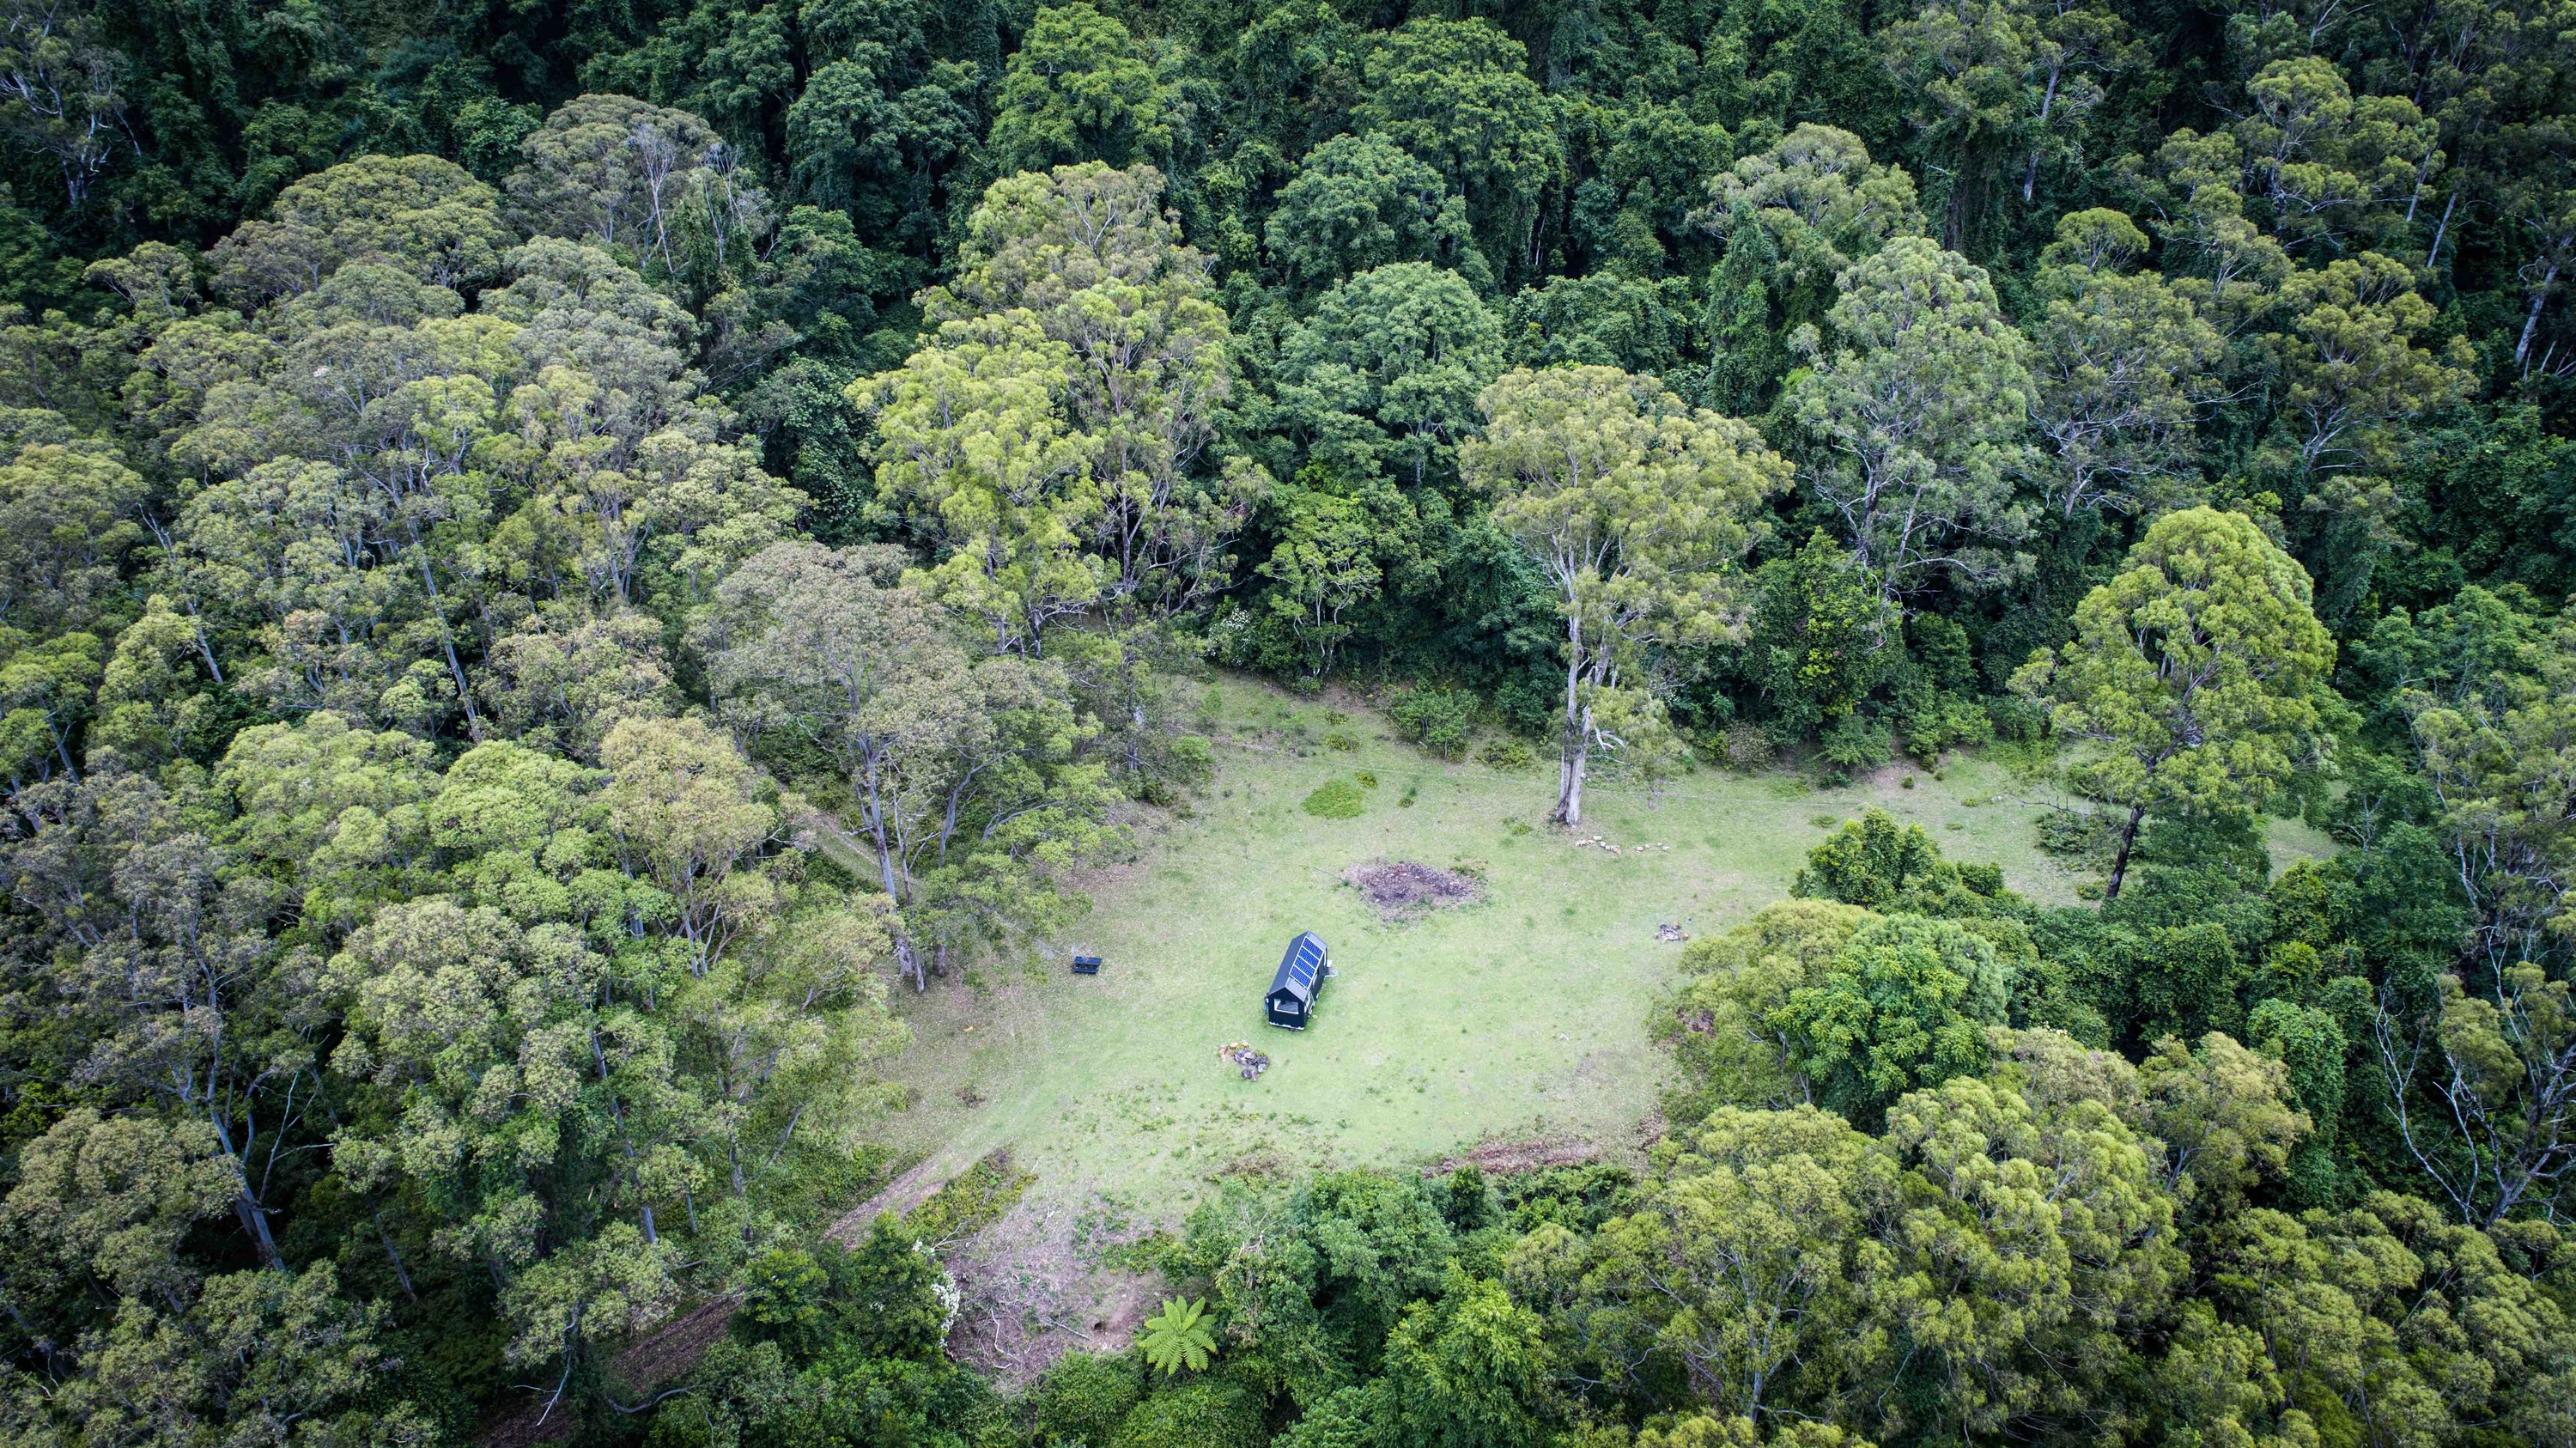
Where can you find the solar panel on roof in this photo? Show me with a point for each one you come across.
(1300, 967)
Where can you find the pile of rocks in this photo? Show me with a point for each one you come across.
(1605, 844)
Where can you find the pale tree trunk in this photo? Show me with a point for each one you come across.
(2030, 175)
(1571, 754)
(1570, 776)
(907, 956)
(2531, 319)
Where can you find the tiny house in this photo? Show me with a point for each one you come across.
(1291, 1002)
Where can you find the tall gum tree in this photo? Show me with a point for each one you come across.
(1638, 508)
(2196, 669)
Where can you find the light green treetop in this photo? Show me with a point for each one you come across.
(2195, 668)
(1637, 508)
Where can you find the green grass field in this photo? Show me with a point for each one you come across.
(1520, 1017)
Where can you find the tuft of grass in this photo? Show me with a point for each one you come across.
(1336, 799)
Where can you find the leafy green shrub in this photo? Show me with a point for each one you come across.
(782, 1301)
(883, 1298)
(2073, 834)
(1208, 1413)
(1945, 722)
(1335, 799)
(975, 1199)
(1749, 746)
(1367, 778)
(1440, 720)
(1341, 741)
(1855, 743)
(889, 1296)
(1509, 752)
(2017, 718)
(1085, 1396)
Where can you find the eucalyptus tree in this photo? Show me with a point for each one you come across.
(1638, 509)
(1915, 408)
(2196, 669)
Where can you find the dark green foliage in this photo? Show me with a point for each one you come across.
(1468, 1370)
(1205, 1413)
(2186, 979)
(1904, 1006)
(783, 1302)
(1820, 636)
(1085, 1396)
(1441, 720)
(885, 1293)
(1874, 862)
(398, 404)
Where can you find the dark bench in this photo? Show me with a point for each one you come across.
(1086, 965)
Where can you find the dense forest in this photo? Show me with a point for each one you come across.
(556, 556)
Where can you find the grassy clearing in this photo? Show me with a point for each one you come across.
(1519, 1016)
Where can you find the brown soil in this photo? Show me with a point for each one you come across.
(647, 1365)
(898, 1196)
(520, 1429)
(1028, 1294)
(673, 1348)
(1497, 1158)
(1401, 889)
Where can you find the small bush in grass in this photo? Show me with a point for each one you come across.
(1440, 720)
(1854, 744)
(1749, 746)
(1367, 778)
(1510, 753)
(1341, 742)
(1335, 799)
(1935, 724)
(2075, 834)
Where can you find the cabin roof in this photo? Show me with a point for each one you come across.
(1300, 967)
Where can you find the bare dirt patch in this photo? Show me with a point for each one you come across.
(1403, 890)
(651, 1362)
(1038, 1284)
(1496, 1158)
(674, 1348)
(899, 1196)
